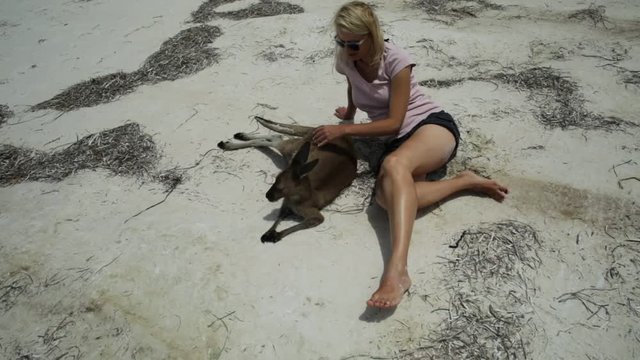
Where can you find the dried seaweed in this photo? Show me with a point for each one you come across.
(630, 77)
(263, 9)
(627, 76)
(206, 12)
(593, 13)
(585, 297)
(489, 295)
(92, 92)
(456, 9)
(58, 326)
(439, 84)
(5, 114)
(318, 55)
(124, 151)
(275, 53)
(560, 103)
(622, 296)
(170, 178)
(621, 273)
(184, 54)
(12, 287)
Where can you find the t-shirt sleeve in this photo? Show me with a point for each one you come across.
(397, 59)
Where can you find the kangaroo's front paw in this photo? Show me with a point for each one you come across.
(270, 236)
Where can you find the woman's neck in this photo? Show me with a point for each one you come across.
(364, 63)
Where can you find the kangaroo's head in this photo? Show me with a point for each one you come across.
(292, 182)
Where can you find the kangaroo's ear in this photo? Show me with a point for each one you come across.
(302, 155)
(304, 169)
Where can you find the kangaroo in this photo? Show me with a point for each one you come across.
(314, 177)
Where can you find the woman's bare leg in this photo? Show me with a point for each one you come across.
(428, 149)
(430, 192)
(397, 191)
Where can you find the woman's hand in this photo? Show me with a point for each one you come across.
(342, 113)
(326, 133)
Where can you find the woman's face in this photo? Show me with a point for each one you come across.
(356, 47)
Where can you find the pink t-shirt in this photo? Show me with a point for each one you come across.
(373, 98)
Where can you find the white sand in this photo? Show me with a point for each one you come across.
(155, 286)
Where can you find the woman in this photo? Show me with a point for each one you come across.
(422, 137)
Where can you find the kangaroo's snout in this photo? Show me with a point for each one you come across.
(271, 196)
(274, 193)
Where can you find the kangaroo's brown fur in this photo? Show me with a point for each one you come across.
(314, 177)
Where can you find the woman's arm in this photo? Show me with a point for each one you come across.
(350, 111)
(398, 104)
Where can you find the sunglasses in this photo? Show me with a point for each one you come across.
(353, 45)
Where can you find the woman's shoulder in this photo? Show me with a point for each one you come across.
(395, 58)
(392, 50)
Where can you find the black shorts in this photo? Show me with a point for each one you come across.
(441, 118)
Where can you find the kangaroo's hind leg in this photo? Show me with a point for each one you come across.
(286, 147)
(248, 137)
(249, 140)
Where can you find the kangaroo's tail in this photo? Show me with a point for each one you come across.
(287, 129)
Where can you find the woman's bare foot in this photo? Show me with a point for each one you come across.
(487, 186)
(391, 290)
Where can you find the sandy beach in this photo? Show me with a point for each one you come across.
(126, 233)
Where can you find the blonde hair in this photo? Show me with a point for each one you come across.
(357, 17)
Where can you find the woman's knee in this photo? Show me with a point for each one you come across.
(393, 164)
